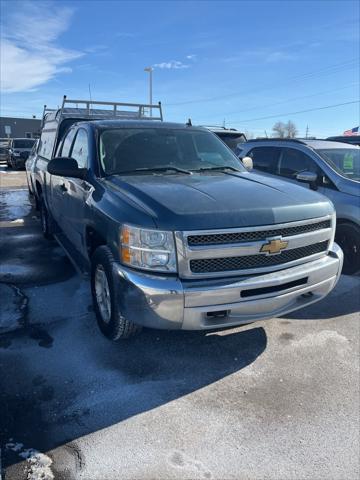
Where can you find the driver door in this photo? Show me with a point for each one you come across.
(59, 185)
(76, 194)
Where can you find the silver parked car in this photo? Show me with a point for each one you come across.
(331, 168)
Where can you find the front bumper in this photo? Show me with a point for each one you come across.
(169, 303)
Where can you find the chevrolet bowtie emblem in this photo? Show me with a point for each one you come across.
(274, 246)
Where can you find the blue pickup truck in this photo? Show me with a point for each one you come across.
(173, 231)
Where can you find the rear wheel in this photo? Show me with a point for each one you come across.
(104, 288)
(348, 237)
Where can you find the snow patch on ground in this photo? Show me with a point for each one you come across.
(15, 204)
(38, 464)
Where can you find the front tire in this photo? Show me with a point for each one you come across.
(348, 237)
(46, 221)
(104, 289)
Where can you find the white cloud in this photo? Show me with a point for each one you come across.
(191, 57)
(173, 64)
(29, 54)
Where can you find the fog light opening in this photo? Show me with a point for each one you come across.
(307, 295)
(219, 314)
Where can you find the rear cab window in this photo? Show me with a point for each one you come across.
(46, 143)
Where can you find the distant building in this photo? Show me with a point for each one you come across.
(19, 127)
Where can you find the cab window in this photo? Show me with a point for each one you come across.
(66, 145)
(80, 149)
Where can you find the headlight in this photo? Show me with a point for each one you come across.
(148, 249)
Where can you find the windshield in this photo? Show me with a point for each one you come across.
(131, 149)
(345, 161)
(23, 143)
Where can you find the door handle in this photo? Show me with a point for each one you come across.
(63, 187)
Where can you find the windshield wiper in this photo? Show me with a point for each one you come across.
(157, 169)
(219, 168)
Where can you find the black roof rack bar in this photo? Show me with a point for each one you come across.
(221, 127)
(277, 139)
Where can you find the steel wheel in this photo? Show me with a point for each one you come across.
(102, 292)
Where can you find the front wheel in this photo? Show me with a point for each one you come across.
(348, 237)
(45, 219)
(104, 289)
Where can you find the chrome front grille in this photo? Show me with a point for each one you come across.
(238, 237)
(239, 251)
(211, 265)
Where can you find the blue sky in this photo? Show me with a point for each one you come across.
(248, 63)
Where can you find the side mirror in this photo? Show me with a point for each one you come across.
(248, 163)
(307, 177)
(65, 167)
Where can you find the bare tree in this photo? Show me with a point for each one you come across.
(291, 130)
(249, 135)
(285, 130)
(279, 130)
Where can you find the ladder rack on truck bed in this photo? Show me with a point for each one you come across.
(91, 109)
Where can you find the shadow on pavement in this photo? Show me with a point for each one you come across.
(343, 300)
(103, 383)
(26, 258)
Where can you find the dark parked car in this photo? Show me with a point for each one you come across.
(18, 152)
(232, 137)
(174, 231)
(332, 168)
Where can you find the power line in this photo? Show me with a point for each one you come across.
(286, 101)
(298, 112)
(336, 66)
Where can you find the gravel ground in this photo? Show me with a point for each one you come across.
(273, 400)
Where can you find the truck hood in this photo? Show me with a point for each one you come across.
(218, 200)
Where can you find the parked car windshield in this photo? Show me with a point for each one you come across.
(24, 143)
(130, 149)
(345, 161)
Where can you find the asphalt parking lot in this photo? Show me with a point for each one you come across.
(277, 399)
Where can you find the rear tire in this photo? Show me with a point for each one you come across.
(348, 237)
(46, 220)
(104, 289)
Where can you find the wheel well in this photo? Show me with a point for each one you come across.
(38, 188)
(93, 240)
(344, 221)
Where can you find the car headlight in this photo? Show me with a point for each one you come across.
(148, 249)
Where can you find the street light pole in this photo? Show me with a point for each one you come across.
(150, 70)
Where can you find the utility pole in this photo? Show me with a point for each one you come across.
(307, 131)
(150, 71)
